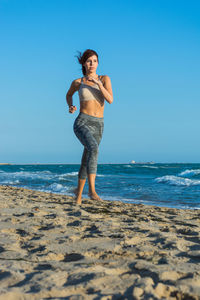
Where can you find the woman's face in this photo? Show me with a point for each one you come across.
(91, 64)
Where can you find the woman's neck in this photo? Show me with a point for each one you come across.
(91, 74)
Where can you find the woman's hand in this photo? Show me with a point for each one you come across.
(90, 78)
(72, 109)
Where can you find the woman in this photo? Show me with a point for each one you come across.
(93, 90)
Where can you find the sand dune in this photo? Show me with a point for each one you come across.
(50, 248)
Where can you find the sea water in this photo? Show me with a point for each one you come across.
(160, 184)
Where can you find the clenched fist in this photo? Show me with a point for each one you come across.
(72, 109)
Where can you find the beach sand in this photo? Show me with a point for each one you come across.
(50, 248)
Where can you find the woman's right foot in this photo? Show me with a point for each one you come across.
(94, 196)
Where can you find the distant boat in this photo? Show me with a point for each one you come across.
(132, 162)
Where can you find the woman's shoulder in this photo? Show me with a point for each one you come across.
(77, 81)
(104, 78)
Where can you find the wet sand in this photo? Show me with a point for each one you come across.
(50, 248)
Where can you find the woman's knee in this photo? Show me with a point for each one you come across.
(92, 168)
(94, 148)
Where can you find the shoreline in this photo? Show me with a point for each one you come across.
(109, 201)
(50, 247)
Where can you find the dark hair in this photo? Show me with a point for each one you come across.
(83, 57)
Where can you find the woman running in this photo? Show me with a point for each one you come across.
(93, 90)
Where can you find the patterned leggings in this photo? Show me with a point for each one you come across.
(88, 130)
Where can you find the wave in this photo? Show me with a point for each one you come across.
(70, 174)
(56, 188)
(8, 181)
(42, 175)
(150, 167)
(189, 173)
(66, 175)
(178, 181)
(24, 175)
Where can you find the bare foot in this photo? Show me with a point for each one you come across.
(78, 200)
(94, 196)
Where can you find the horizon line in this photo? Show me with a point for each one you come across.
(125, 163)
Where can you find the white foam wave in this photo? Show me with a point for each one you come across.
(8, 177)
(10, 181)
(150, 167)
(65, 175)
(189, 173)
(26, 175)
(56, 188)
(70, 174)
(175, 180)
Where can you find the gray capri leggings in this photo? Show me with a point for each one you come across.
(88, 130)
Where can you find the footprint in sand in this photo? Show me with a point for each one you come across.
(73, 257)
(10, 279)
(79, 278)
(47, 227)
(75, 223)
(50, 216)
(187, 231)
(22, 232)
(2, 249)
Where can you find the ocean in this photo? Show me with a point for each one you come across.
(170, 185)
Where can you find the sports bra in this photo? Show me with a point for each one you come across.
(90, 92)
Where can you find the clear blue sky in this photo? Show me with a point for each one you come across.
(150, 50)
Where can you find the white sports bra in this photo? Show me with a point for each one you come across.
(90, 92)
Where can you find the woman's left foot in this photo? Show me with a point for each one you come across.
(94, 196)
(78, 203)
(78, 200)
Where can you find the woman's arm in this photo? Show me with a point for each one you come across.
(106, 89)
(73, 88)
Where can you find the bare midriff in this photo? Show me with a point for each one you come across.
(92, 108)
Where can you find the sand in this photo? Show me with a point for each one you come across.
(50, 248)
